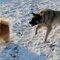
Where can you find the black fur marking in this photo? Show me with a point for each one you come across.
(36, 20)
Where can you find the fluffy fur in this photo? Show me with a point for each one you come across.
(4, 30)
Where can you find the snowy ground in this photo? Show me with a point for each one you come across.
(25, 45)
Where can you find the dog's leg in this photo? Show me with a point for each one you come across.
(48, 31)
(39, 26)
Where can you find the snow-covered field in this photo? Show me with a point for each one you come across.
(25, 45)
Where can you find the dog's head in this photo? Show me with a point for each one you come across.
(36, 19)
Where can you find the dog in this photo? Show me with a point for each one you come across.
(4, 30)
(47, 18)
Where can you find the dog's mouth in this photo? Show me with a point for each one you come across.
(32, 24)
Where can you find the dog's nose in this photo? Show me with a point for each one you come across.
(29, 22)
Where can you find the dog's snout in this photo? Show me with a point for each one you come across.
(30, 22)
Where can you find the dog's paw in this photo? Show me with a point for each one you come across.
(35, 33)
(46, 42)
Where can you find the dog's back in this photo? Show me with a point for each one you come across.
(56, 18)
(51, 17)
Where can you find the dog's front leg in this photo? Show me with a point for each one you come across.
(38, 26)
(49, 28)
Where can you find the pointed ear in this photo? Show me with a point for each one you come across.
(34, 14)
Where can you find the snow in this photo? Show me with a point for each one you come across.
(25, 45)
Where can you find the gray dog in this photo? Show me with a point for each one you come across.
(47, 18)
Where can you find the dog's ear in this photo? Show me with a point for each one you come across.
(34, 14)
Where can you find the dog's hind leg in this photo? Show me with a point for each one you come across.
(49, 28)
